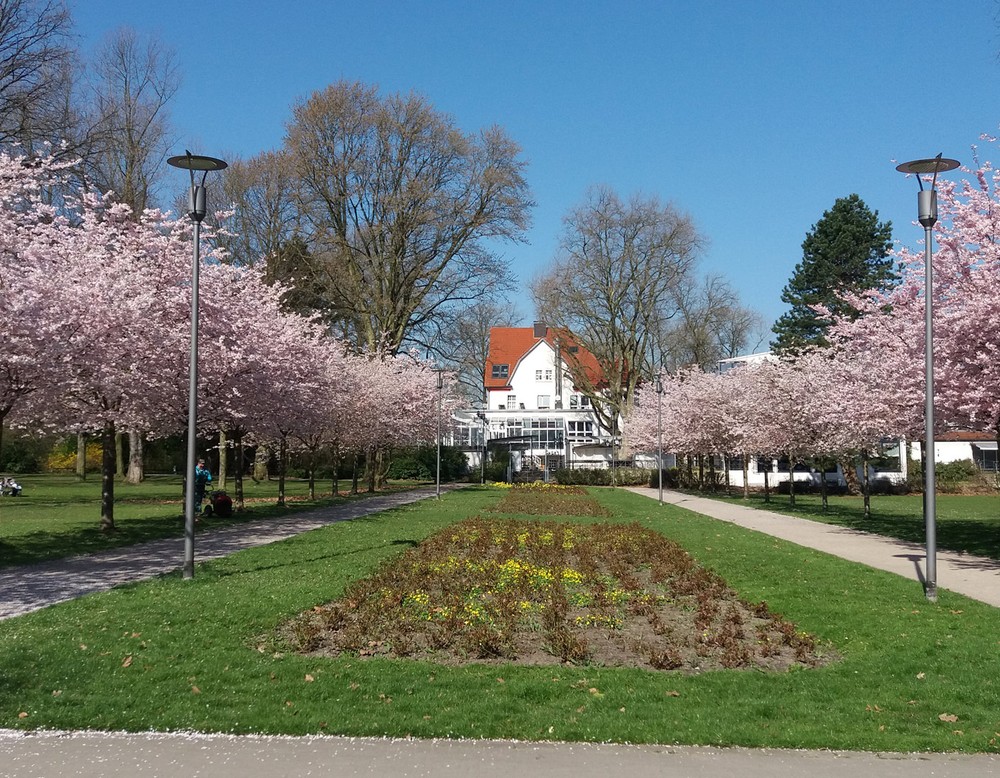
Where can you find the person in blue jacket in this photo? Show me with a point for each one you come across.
(202, 478)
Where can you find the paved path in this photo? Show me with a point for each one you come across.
(103, 755)
(975, 577)
(31, 587)
(138, 755)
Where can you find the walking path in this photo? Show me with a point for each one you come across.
(975, 577)
(136, 755)
(31, 587)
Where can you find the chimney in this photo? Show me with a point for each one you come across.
(540, 329)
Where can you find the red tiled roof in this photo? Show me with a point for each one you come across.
(509, 345)
(964, 436)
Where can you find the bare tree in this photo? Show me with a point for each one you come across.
(134, 81)
(712, 324)
(259, 192)
(463, 342)
(36, 68)
(398, 207)
(613, 287)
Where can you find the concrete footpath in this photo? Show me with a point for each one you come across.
(110, 754)
(975, 577)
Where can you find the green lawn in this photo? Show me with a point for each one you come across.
(59, 515)
(965, 523)
(202, 655)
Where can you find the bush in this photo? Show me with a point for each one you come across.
(23, 455)
(623, 476)
(419, 463)
(948, 476)
(63, 457)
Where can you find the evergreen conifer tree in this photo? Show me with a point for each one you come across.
(847, 249)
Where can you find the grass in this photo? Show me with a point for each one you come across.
(58, 516)
(203, 654)
(965, 523)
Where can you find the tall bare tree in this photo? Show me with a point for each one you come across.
(399, 208)
(613, 286)
(463, 342)
(134, 80)
(711, 324)
(259, 191)
(36, 70)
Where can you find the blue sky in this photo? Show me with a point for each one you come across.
(753, 117)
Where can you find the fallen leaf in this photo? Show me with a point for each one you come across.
(309, 678)
(956, 612)
(911, 702)
(195, 690)
(127, 662)
(921, 676)
(139, 634)
(581, 709)
(672, 694)
(950, 717)
(22, 715)
(957, 732)
(621, 710)
(881, 727)
(873, 708)
(83, 646)
(501, 680)
(56, 692)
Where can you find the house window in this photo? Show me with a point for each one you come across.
(584, 401)
(538, 375)
(512, 401)
(580, 430)
(546, 433)
(544, 401)
(500, 371)
(574, 401)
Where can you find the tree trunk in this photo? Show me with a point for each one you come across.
(354, 476)
(260, 462)
(822, 485)
(238, 478)
(850, 476)
(81, 456)
(108, 477)
(867, 485)
(370, 468)
(791, 480)
(282, 462)
(120, 455)
(136, 444)
(767, 485)
(223, 459)
(746, 477)
(336, 474)
(312, 482)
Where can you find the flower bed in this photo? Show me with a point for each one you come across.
(546, 592)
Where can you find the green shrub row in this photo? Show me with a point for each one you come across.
(623, 476)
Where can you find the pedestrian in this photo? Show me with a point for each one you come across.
(202, 478)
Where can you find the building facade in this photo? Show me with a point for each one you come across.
(531, 407)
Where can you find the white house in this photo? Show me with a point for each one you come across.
(531, 407)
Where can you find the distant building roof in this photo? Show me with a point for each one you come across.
(509, 345)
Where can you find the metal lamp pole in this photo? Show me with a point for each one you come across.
(659, 435)
(197, 209)
(927, 216)
(440, 386)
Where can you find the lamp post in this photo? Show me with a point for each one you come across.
(482, 458)
(659, 435)
(927, 216)
(197, 208)
(440, 386)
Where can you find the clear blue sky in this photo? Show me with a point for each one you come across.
(753, 117)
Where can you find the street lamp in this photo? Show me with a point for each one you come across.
(482, 459)
(440, 386)
(659, 435)
(197, 209)
(927, 216)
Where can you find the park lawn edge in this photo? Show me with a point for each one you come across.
(169, 655)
